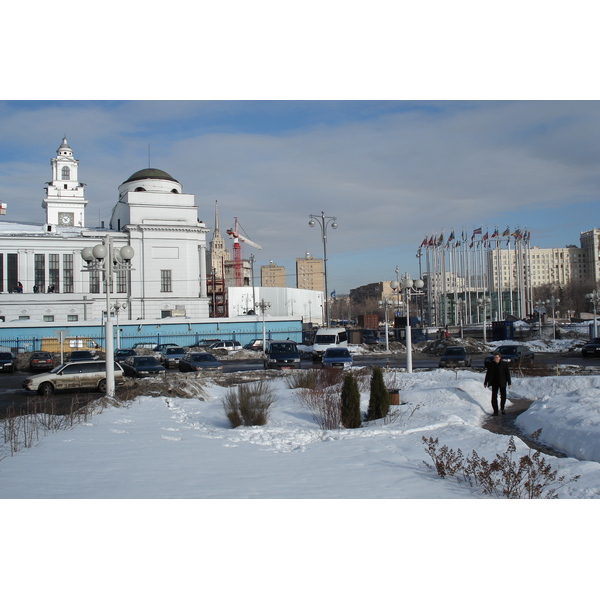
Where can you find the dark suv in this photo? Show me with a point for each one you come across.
(282, 355)
(7, 362)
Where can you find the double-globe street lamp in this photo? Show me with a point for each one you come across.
(408, 286)
(105, 259)
(324, 222)
(263, 305)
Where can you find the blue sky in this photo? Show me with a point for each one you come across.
(391, 171)
(282, 110)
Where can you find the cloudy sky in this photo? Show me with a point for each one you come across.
(392, 172)
(277, 124)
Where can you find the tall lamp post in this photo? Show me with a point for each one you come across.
(385, 304)
(484, 303)
(105, 259)
(263, 305)
(594, 297)
(323, 222)
(408, 287)
(553, 303)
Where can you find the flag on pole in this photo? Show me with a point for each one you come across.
(495, 234)
(506, 232)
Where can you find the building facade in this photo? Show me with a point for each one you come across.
(272, 276)
(152, 215)
(309, 273)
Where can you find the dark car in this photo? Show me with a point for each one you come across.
(514, 354)
(78, 355)
(141, 366)
(337, 357)
(122, 354)
(198, 361)
(7, 362)
(453, 357)
(170, 356)
(592, 348)
(281, 355)
(254, 345)
(41, 361)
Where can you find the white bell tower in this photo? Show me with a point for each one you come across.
(64, 201)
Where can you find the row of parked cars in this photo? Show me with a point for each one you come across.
(457, 356)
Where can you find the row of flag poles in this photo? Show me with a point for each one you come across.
(464, 275)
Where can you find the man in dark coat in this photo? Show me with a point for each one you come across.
(497, 377)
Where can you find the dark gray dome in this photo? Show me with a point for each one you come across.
(151, 174)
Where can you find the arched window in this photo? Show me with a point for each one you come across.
(139, 189)
(65, 173)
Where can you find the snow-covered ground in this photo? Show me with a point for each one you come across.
(168, 448)
(159, 447)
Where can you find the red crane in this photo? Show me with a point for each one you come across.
(237, 251)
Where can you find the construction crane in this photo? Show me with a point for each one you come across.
(237, 251)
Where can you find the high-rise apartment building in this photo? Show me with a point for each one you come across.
(272, 276)
(309, 273)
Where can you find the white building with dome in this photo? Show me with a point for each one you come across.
(153, 215)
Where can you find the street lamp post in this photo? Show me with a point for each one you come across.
(385, 304)
(408, 287)
(323, 222)
(105, 259)
(541, 308)
(594, 297)
(553, 303)
(484, 303)
(263, 305)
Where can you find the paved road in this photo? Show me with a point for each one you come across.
(11, 391)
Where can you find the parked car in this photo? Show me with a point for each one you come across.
(89, 374)
(146, 345)
(591, 348)
(170, 356)
(78, 355)
(228, 345)
(453, 357)
(7, 363)
(254, 345)
(281, 355)
(41, 361)
(514, 354)
(162, 347)
(123, 353)
(198, 361)
(337, 357)
(142, 366)
(205, 343)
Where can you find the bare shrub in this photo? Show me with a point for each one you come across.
(325, 405)
(504, 477)
(249, 404)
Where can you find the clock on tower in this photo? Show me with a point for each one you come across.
(66, 219)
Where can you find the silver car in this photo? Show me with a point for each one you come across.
(82, 375)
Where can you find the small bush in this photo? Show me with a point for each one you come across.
(379, 399)
(504, 477)
(350, 403)
(249, 404)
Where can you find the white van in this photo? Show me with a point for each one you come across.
(328, 337)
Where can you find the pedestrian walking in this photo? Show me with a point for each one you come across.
(497, 377)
